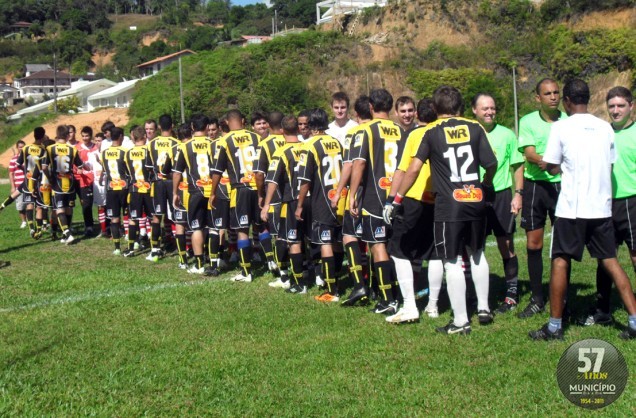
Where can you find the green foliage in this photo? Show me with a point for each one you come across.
(66, 105)
(552, 10)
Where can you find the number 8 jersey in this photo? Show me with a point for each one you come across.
(457, 147)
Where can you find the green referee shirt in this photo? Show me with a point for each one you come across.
(504, 143)
(534, 131)
(624, 169)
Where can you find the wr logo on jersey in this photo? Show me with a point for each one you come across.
(456, 134)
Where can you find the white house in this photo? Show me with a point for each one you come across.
(115, 96)
(154, 66)
(327, 10)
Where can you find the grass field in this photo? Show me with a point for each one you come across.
(85, 333)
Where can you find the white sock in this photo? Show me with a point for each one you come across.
(481, 272)
(456, 284)
(435, 277)
(404, 272)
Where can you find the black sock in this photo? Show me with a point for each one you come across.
(29, 216)
(383, 274)
(116, 233)
(265, 240)
(297, 268)
(199, 260)
(603, 289)
(181, 245)
(535, 271)
(214, 241)
(7, 202)
(281, 251)
(155, 235)
(38, 224)
(511, 272)
(133, 232)
(338, 258)
(70, 220)
(329, 274)
(354, 255)
(62, 222)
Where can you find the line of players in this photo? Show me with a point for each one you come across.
(288, 187)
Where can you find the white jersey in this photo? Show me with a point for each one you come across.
(340, 132)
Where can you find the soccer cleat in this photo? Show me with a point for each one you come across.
(154, 255)
(241, 278)
(136, 246)
(451, 329)
(276, 283)
(129, 253)
(386, 308)
(628, 333)
(23, 225)
(88, 232)
(320, 282)
(54, 238)
(196, 270)
(431, 311)
(596, 317)
(117, 251)
(183, 266)
(485, 317)
(272, 266)
(508, 305)
(297, 290)
(544, 334)
(421, 293)
(359, 295)
(531, 310)
(69, 239)
(404, 316)
(327, 298)
(211, 271)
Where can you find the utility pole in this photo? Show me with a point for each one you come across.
(181, 93)
(514, 93)
(54, 82)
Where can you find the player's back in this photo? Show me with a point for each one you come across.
(197, 154)
(139, 173)
(238, 154)
(162, 150)
(113, 159)
(62, 158)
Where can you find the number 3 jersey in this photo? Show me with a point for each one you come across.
(321, 163)
(456, 148)
(62, 158)
(380, 143)
(237, 153)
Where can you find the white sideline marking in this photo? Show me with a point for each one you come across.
(95, 295)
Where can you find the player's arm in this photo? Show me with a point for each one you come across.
(357, 169)
(304, 189)
(12, 168)
(269, 195)
(530, 152)
(515, 204)
(345, 176)
(259, 174)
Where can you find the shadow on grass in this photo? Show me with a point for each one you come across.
(29, 355)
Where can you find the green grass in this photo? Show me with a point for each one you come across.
(85, 333)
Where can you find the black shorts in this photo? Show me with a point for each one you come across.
(162, 197)
(199, 214)
(539, 202)
(452, 237)
(86, 195)
(351, 226)
(139, 204)
(116, 203)
(570, 236)
(374, 230)
(63, 200)
(273, 219)
(28, 198)
(180, 217)
(291, 229)
(624, 219)
(307, 220)
(244, 210)
(412, 232)
(323, 234)
(499, 220)
(221, 214)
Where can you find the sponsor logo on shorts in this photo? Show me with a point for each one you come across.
(380, 232)
(109, 212)
(468, 194)
(133, 213)
(359, 229)
(195, 223)
(325, 235)
(292, 234)
(60, 204)
(243, 220)
(218, 222)
(158, 208)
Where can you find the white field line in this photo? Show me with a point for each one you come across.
(104, 294)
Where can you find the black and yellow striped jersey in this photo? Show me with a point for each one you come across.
(267, 148)
(113, 160)
(161, 153)
(456, 148)
(138, 172)
(422, 189)
(321, 164)
(224, 190)
(61, 159)
(283, 170)
(380, 143)
(348, 140)
(31, 159)
(237, 152)
(195, 156)
(182, 188)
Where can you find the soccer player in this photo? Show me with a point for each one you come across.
(218, 234)
(303, 126)
(62, 158)
(260, 124)
(161, 152)
(620, 104)
(375, 153)
(16, 178)
(412, 240)
(214, 131)
(151, 129)
(72, 140)
(540, 187)
(319, 173)
(282, 178)
(456, 148)
(30, 160)
(405, 112)
(115, 178)
(267, 148)
(89, 153)
(237, 153)
(184, 135)
(352, 227)
(342, 123)
(195, 156)
(99, 191)
(581, 147)
(500, 215)
(139, 173)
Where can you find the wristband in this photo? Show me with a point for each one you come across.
(398, 199)
(519, 191)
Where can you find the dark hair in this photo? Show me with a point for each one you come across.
(340, 96)
(138, 133)
(381, 100)
(223, 124)
(213, 120)
(99, 135)
(477, 96)
(39, 133)
(318, 120)
(17, 144)
(402, 100)
(258, 115)
(305, 113)
(275, 120)
(537, 88)
(107, 126)
(577, 91)
(448, 101)
(199, 122)
(362, 108)
(426, 110)
(165, 122)
(184, 131)
(290, 125)
(61, 132)
(87, 130)
(620, 91)
(116, 133)
(234, 114)
(154, 122)
(71, 126)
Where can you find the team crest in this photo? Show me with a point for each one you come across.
(218, 222)
(133, 213)
(195, 223)
(359, 229)
(243, 220)
(380, 232)
(292, 234)
(325, 236)
(358, 140)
